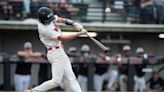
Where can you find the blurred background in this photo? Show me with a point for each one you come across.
(132, 29)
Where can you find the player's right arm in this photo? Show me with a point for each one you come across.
(53, 35)
(66, 21)
(72, 36)
(22, 54)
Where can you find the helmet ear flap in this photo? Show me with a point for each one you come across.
(43, 22)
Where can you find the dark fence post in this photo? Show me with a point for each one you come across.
(91, 74)
(104, 15)
(49, 74)
(6, 71)
(130, 76)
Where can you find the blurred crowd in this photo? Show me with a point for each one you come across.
(138, 11)
(22, 9)
(145, 11)
(135, 11)
(105, 78)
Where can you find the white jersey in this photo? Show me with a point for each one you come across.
(47, 32)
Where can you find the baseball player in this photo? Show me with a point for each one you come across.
(139, 80)
(123, 69)
(51, 36)
(104, 72)
(84, 59)
(23, 70)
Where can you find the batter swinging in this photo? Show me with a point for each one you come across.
(51, 36)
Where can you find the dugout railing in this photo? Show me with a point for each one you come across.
(7, 61)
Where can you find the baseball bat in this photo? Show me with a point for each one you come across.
(103, 47)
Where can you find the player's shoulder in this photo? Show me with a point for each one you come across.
(41, 27)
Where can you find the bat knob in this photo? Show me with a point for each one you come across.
(107, 50)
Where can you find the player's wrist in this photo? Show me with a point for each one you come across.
(78, 26)
(69, 22)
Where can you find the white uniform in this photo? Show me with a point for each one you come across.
(139, 84)
(60, 63)
(110, 76)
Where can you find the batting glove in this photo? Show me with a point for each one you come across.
(78, 26)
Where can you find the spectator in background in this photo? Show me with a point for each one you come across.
(23, 70)
(156, 83)
(83, 72)
(7, 10)
(53, 1)
(102, 72)
(55, 7)
(26, 4)
(123, 69)
(147, 13)
(63, 1)
(73, 54)
(133, 9)
(75, 1)
(159, 5)
(140, 84)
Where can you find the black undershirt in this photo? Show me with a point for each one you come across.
(101, 68)
(23, 68)
(139, 71)
(156, 84)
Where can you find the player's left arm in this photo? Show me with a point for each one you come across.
(36, 54)
(78, 26)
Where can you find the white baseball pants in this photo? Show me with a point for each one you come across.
(21, 82)
(83, 82)
(139, 84)
(122, 83)
(110, 76)
(61, 70)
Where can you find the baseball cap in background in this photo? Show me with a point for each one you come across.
(85, 48)
(140, 50)
(27, 45)
(71, 49)
(155, 70)
(45, 15)
(126, 48)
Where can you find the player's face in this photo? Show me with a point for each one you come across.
(74, 53)
(127, 53)
(155, 76)
(140, 54)
(27, 49)
(85, 53)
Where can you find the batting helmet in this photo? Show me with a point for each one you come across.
(45, 15)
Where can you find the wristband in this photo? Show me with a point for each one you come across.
(69, 22)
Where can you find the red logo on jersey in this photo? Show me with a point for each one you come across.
(56, 28)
